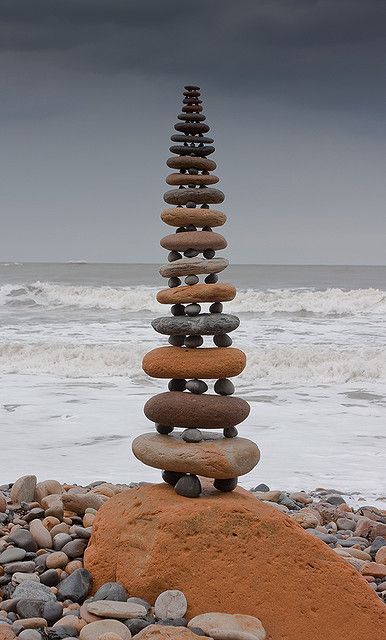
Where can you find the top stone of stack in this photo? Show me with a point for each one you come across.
(196, 451)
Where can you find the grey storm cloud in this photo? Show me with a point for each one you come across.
(294, 92)
(332, 51)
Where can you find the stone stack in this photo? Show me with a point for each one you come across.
(196, 450)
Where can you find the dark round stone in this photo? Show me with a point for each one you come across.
(224, 387)
(216, 307)
(206, 228)
(171, 477)
(191, 205)
(180, 229)
(192, 309)
(196, 386)
(211, 278)
(174, 255)
(176, 341)
(174, 282)
(192, 435)
(191, 117)
(200, 152)
(206, 195)
(179, 137)
(177, 384)
(190, 108)
(204, 324)
(191, 127)
(193, 172)
(225, 485)
(191, 227)
(188, 486)
(52, 611)
(177, 310)
(49, 578)
(189, 162)
(191, 87)
(191, 253)
(189, 280)
(163, 429)
(230, 432)
(222, 340)
(192, 101)
(209, 253)
(192, 342)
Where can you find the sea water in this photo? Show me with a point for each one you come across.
(72, 390)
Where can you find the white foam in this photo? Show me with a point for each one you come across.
(284, 364)
(134, 298)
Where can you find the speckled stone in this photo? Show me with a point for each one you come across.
(199, 240)
(213, 457)
(193, 266)
(180, 137)
(199, 196)
(202, 411)
(205, 324)
(220, 292)
(181, 217)
(186, 178)
(200, 152)
(177, 362)
(191, 162)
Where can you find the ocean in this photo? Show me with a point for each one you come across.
(72, 390)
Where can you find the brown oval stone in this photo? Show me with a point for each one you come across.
(179, 362)
(180, 217)
(199, 196)
(191, 162)
(204, 411)
(192, 108)
(193, 266)
(219, 292)
(191, 127)
(186, 178)
(199, 240)
(213, 457)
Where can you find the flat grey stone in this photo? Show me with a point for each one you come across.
(76, 586)
(205, 324)
(111, 591)
(193, 266)
(33, 591)
(12, 554)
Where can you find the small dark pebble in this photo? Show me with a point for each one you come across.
(111, 591)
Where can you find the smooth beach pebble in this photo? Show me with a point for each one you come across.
(115, 609)
(202, 410)
(94, 630)
(225, 485)
(199, 196)
(200, 240)
(196, 386)
(197, 293)
(176, 362)
(40, 534)
(171, 477)
(177, 384)
(170, 604)
(191, 280)
(192, 309)
(192, 342)
(192, 435)
(224, 387)
(163, 429)
(180, 217)
(23, 490)
(181, 178)
(193, 266)
(222, 340)
(203, 324)
(202, 164)
(56, 560)
(213, 457)
(225, 626)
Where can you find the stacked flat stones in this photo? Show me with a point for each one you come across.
(196, 450)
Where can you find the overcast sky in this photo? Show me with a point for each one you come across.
(294, 93)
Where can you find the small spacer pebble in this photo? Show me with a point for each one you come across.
(171, 477)
(173, 256)
(211, 278)
(224, 387)
(225, 485)
(188, 486)
(192, 309)
(180, 229)
(192, 435)
(209, 253)
(176, 341)
(191, 205)
(191, 227)
(177, 384)
(196, 386)
(192, 342)
(177, 310)
(222, 340)
(163, 429)
(230, 432)
(216, 307)
(174, 282)
(190, 280)
(191, 253)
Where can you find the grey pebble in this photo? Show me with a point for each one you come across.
(22, 538)
(203, 324)
(33, 591)
(224, 387)
(12, 554)
(76, 586)
(111, 591)
(192, 309)
(192, 435)
(196, 386)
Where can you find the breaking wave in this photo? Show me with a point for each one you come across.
(282, 364)
(329, 302)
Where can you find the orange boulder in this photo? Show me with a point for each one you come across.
(231, 553)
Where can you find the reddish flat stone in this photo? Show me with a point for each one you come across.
(219, 292)
(199, 240)
(181, 217)
(179, 362)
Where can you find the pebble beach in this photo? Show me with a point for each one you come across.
(45, 590)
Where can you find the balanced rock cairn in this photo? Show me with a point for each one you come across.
(183, 456)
